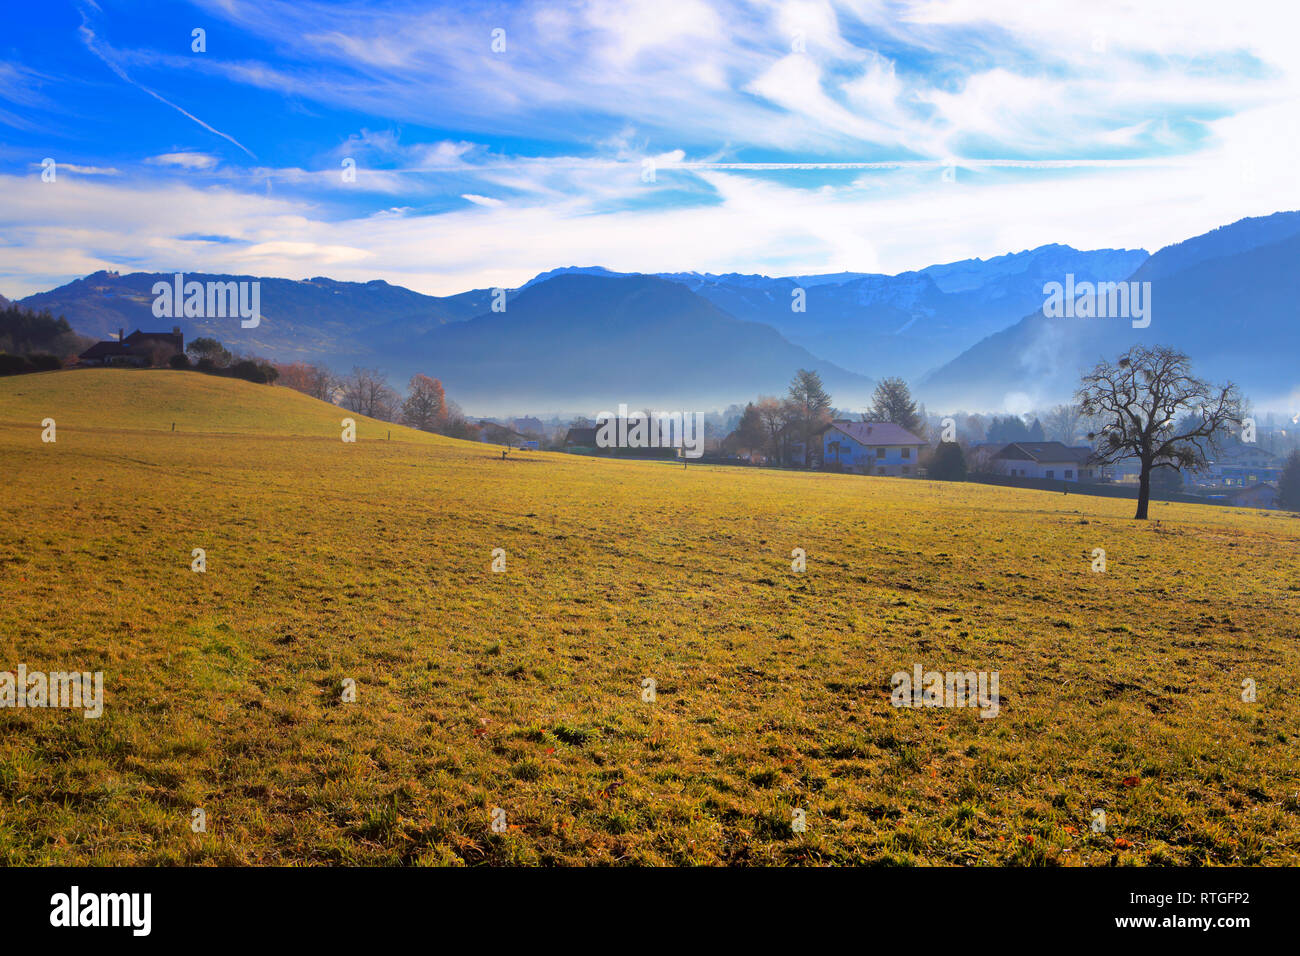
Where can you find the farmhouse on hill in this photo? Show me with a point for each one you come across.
(138, 348)
(1046, 459)
(868, 448)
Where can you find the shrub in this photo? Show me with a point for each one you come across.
(179, 361)
(947, 463)
(251, 371)
(43, 363)
(246, 370)
(209, 350)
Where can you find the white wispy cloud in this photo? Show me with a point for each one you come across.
(20, 87)
(794, 137)
(106, 55)
(699, 73)
(185, 160)
(84, 170)
(884, 220)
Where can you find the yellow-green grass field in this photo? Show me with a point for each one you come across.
(522, 690)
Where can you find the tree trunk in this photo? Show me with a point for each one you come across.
(1144, 492)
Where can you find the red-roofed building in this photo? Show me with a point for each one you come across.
(869, 448)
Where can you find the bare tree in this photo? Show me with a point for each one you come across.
(323, 384)
(366, 393)
(1063, 423)
(456, 425)
(774, 415)
(388, 405)
(1140, 398)
(980, 461)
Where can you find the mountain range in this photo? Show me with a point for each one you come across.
(1227, 298)
(592, 341)
(969, 334)
(904, 324)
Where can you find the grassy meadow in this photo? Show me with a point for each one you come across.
(522, 691)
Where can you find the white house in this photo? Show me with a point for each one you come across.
(1046, 459)
(870, 448)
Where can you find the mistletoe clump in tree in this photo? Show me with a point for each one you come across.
(1153, 409)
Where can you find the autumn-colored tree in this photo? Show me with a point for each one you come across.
(425, 407)
(309, 379)
(750, 433)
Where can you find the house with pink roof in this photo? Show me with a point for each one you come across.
(869, 448)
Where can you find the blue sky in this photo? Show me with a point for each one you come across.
(785, 138)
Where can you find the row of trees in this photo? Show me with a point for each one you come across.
(26, 332)
(35, 341)
(1064, 423)
(773, 426)
(366, 391)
